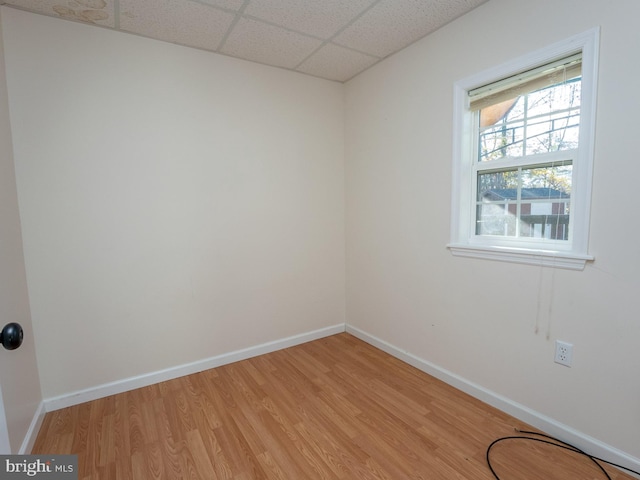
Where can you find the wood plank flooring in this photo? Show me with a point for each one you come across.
(335, 408)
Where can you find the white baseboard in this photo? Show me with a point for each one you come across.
(32, 433)
(132, 383)
(542, 422)
(521, 412)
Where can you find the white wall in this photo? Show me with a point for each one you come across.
(19, 377)
(176, 205)
(495, 324)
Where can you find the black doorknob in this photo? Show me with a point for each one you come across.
(11, 336)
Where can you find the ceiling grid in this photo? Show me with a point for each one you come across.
(332, 39)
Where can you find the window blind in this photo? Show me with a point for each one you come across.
(529, 81)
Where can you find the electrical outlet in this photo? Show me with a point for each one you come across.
(564, 353)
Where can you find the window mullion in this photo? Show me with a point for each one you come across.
(525, 124)
(519, 203)
(539, 159)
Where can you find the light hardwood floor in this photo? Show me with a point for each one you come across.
(335, 408)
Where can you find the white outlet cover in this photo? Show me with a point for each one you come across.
(564, 353)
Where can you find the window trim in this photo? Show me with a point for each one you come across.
(464, 242)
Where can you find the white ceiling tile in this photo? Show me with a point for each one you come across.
(334, 62)
(228, 4)
(353, 34)
(393, 24)
(99, 12)
(187, 23)
(319, 18)
(264, 43)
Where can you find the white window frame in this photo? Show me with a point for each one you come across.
(572, 254)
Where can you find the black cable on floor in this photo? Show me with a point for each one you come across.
(542, 438)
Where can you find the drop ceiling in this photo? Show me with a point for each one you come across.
(332, 39)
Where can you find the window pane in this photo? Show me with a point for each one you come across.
(553, 132)
(493, 219)
(557, 97)
(543, 121)
(546, 196)
(503, 140)
(498, 186)
(532, 202)
(497, 203)
(554, 180)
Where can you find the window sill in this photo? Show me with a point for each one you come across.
(546, 258)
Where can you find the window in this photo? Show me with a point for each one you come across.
(523, 150)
